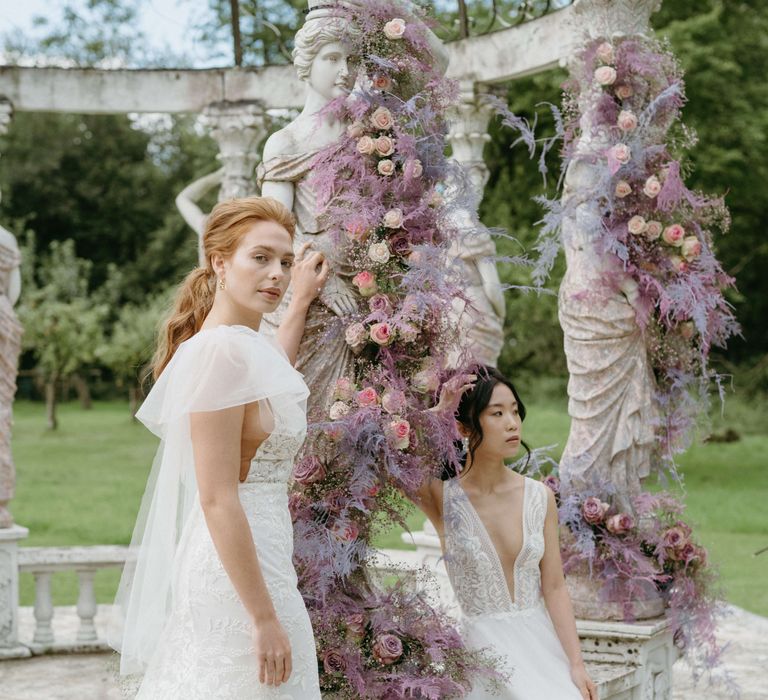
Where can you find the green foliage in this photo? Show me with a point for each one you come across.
(62, 324)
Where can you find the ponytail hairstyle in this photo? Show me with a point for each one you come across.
(472, 404)
(227, 223)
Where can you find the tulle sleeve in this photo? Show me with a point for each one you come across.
(216, 369)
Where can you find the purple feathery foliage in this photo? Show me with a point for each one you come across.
(636, 558)
(380, 195)
(657, 230)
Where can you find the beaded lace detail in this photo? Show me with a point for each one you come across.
(473, 564)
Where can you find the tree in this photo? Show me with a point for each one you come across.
(129, 348)
(62, 324)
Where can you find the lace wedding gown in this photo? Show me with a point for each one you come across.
(517, 629)
(185, 628)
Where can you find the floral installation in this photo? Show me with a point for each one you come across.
(648, 551)
(378, 190)
(622, 110)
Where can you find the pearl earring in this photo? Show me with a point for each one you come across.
(221, 284)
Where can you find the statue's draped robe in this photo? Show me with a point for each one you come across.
(324, 355)
(10, 346)
(611, 388)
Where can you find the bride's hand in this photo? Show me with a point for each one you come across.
(273, 652)
(309, 274)
(583, 682)
(452, 391)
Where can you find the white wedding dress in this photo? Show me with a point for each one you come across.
(518, 630)
(185, 629)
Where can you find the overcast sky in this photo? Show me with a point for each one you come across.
(166, 23)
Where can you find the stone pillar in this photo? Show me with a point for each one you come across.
(481, 321)
(468, 134)
(237, 127)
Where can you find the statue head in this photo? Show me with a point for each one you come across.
(321, 52)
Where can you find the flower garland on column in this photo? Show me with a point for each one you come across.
(622, 115)
(378, 190)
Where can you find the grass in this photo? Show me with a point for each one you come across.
(82, 485)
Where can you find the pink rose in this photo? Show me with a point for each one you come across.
(357, 230)
(382, 82)
(379, 252)
(309, 470)
(385, 146)
(687, 329)
(344, 389)
(387, 649)
(627, 120)
(393, 401)
(381, 333)
(394, 29)
(691, 248)
(624, 92)
(552, 483)
(435, 199)
(400, 243)
(594, 510)
(382, 119)
(367, 397)
(622, 153)
(399, 433)
(380, 303)
(413, 168)
(426, 381)
(338, 410)
(674, 539)
(355, 130)
(393, 218)
(619, 524)
(652, 187)
(689, 553)
(677, 263)
(623, 188)
(605, 52)
(605, 75)
(408, 331)
(356, 335)
(636, 225)
(366, 145)
(345, 531)
(365, 281)
(333, 662)
(385, 167)
(355, 625)
(673, 235)
(653, 230)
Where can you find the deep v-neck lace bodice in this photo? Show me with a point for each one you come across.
(473, 564)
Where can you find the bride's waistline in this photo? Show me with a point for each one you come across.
(271, 488)
(506, 614)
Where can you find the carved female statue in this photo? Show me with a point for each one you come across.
(10, 345)
(322, 61)
(611, 385)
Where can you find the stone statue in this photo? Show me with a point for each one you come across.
(481, 318)
(187, 199)
(611, 388)
(10, 346)
(322, 61)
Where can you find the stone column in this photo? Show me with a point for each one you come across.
(468, 134)
(237, 127)
(10, 534)
(481, 321)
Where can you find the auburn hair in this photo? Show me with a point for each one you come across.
(227, 223)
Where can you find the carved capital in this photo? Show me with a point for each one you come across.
(468, 134)
(237, 127)
(612, 18)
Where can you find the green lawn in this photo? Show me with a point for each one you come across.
(82, 485)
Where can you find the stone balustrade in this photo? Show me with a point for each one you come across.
(43, 563)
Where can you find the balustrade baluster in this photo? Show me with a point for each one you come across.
(43, 608)
(86, 606)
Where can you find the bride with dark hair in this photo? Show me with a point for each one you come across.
(499, 533)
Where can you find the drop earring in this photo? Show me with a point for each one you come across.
(465, 444)
(221, 284)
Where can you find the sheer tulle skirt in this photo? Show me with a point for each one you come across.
(532, 654)
(206, 650)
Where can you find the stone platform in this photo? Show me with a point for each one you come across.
(92, 676)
